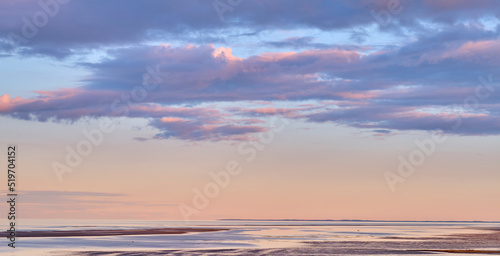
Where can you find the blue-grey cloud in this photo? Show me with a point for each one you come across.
(59, 29)
(450, 58)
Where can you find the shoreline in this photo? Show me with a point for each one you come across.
(477, 243)
(112, 232)
(343, 241)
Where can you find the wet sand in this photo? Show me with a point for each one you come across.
(479, 243)
(111, 232)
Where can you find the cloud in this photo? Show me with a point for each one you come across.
(214, 129)
(78, 26)
(382, 131)
(42, 193)
(296, 43)
(374, 93)
(54, 197)
(442, 48)
(80, 204)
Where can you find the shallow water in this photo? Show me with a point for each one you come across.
(347, 237)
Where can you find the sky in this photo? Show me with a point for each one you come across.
(201, 110)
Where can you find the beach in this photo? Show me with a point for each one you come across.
(245, 237)
(111, 232)
(455, 244)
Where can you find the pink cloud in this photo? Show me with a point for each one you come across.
(172, 119)
(380, 91)
(358, 95)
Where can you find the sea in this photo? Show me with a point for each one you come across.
(240, 235)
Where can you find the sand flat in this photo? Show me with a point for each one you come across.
(111, 232)
(460, 244)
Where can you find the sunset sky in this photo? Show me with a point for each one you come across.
(386, 110)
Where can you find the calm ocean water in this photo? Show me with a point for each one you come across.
(242, 234)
